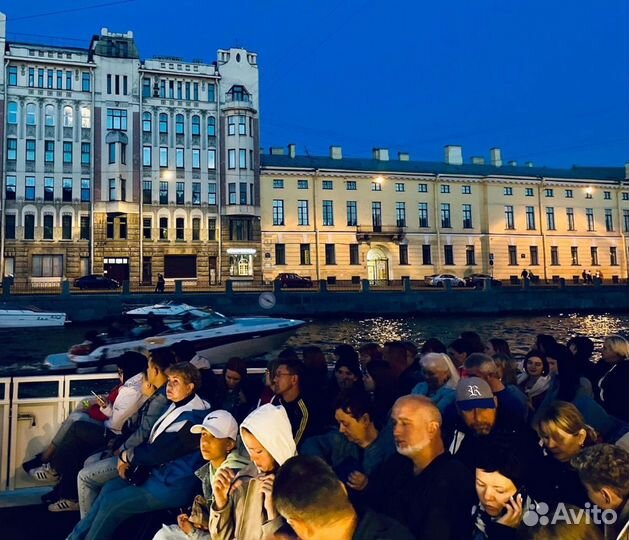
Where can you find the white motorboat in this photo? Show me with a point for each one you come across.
(28, 317)
(214, 336)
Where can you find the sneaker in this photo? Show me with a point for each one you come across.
(64, 505)
(32, 463)
(45, 473)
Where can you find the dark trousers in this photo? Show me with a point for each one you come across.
(81, 441)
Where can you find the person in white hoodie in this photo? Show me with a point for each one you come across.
(243, 504)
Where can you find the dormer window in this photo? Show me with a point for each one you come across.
(239, 93)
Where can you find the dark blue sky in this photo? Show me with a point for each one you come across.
(545, 80)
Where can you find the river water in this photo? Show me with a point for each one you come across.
(23, 351)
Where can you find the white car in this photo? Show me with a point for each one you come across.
(439, 280)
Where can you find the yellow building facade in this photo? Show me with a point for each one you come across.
(382, 219)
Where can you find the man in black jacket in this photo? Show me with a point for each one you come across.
(314, 502)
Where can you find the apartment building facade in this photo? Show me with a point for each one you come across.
(115, 165)
(384, 219)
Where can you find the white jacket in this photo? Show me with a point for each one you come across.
(127, 403)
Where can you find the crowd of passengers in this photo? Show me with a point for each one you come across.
(442, 442)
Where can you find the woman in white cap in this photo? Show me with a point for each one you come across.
(243, 505)
(219, 432)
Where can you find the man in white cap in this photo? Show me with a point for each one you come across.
(219, 431)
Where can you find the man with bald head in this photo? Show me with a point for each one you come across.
(422, 486)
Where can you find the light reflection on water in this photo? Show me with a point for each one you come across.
(24, 350)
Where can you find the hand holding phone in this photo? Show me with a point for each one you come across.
(99, 399)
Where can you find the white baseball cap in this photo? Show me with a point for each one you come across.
(219, 423)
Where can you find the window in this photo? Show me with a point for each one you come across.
(589, 214)
(231, 192)
(31, 77)
(86, 151)
(12, 76)
(625, 217)
(231, 158)
(211, 229)
(231, 125)
(211, 126)
(67, 153)
(29, 227)
(400, 214)
(12, 112)
(467, 216)
(507, 191)
(550, 218)
(376, 216)
(350, 185)
(242, 159)
(9, 227)
(29, 188)
(196, 228)
(86, 117)
(625, 196)
(569, 194)
(68, 80)
(466, 190)
(613, 256)
(146, 156)
(302, 213)
(446, 223)
(330, 254)
(530, 218)
(117, 119)
(513, 256)
(179, 228)
(570, 218)
(426, 254)
(163, 156)
(195, 91)
(548, 193)
(47, 265)
(588, 194)
(163, 228)
(11, 189)
(49, 189)
(534, 255)
(354, 254)
(554, 256)
(146, 87)
(48, 227)
(302, 184)
(196, 193)
(109, 83)
(85, 190)
(147, 192)
(179, 193)
(278, 184)
(211, 193)
(179, 90)
(11, 149)
(31, 114)
(196, 125)
(609, 220)
(179, 124)
(30, 150)
(147, 122)
(112, 189)
(40, 78)
(49, 115)
(403, 253)
(49, 78)
(66, 227)
(422, 188)
(594, 255)
(470, 256)
(574, 255)
(68, 116)
(280, 254)
(423, 214)
(327, 184)
(509, 223)
(376, 186)
(352, 214)
(242, 125)
(448, 254)
(49, 151)
(278, 211)
(147, 228)
(243, 193)
(163, 123)
(179, 158)
(211, 93)
(607, 195)
(328, 213)
(445, 188)
(211, 158)
(304, 254)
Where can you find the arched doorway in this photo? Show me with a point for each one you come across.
(378, 266)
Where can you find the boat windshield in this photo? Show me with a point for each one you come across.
(198, 319)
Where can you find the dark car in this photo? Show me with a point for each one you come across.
(94, 281)
(478, 281)
(294, 280)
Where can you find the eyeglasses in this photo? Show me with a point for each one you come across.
(279, 374)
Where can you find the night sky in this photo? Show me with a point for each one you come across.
(545, 80)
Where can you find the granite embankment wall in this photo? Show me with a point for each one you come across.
(300, 304)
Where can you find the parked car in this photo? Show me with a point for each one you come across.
(439, 280)
(288, 280)
(478, 281)
(95, 281)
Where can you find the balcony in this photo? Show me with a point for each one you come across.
(383, 233)
(238, 104)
